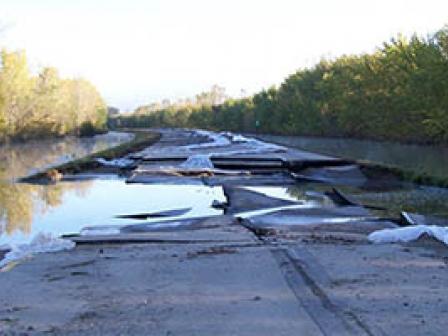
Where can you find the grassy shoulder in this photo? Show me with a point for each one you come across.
(374, 169)
(377, 170)
(142, 139)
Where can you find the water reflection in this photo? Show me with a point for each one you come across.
(70, 206)
(20, 204)
(21, 159)
(310, 194)
(421, 159)
(417, 199)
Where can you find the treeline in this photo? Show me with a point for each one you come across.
(45, 104)
(399, 93)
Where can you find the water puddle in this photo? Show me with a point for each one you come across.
(68, 207)
(417, 199)
(296, 193)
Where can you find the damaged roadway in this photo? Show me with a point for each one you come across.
(269, 265)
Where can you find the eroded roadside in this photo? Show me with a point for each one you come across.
(288, 255)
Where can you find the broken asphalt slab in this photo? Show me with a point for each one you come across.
(214, 275)
(158, 214)
(243, 200)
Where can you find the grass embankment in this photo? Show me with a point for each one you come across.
(404, 174)
(142, 139)
(377, 170)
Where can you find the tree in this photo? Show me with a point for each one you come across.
(32, 106)
(15, 89)
(399, 92)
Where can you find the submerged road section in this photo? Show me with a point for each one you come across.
(286, 252)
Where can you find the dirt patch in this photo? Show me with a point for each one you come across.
(330, 239)
(214, 250)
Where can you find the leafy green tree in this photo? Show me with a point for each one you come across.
(399, 92)
(45, 105)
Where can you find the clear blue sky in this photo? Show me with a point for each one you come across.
(139, 51)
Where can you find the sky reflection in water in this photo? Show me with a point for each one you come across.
(67, 207)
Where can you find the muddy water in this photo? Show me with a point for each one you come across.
(421, 159)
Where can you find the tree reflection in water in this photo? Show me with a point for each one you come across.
(19, 202)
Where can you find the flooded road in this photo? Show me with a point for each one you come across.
(21, 204)
(69, 207)
(102, 206)
(199, 215)
(430, 160)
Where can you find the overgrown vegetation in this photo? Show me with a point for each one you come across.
(399, 93)
(45, 104)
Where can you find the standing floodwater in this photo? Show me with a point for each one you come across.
(22, 159)
(20, 203)
(421, 159)
(68, 207)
